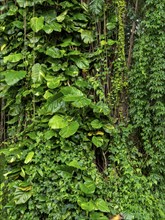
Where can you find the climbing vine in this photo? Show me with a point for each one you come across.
(74, 145)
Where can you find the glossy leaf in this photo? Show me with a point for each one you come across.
(12, 76)
(81, 102)
(57, 122)
(88, 206)
(72, 71)
(76, 164)
(87, 36)
(21, 197)
(55, 52)
(81, 62)
(13, 58)
(98, 216)
(70, 129)
(29, 157)
(97, 141)
(96, 124)
(37, 23)
(37, 73)
(88, 187)
(102, 205)
(61, 17)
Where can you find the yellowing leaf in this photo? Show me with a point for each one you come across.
(100, 133)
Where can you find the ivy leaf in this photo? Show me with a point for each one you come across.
(102, 205)
(97, 141)
(12, 76)
(111, 42)
(13, 58)
(37, 24)
(88, 187)
(61, 17)
(55, 52)
(37, 73)
(87, 36)
(69, 130)
(96, 124)
(57, 122)
(29, 157)
(87, 206)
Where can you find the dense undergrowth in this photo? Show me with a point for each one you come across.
(83, 133)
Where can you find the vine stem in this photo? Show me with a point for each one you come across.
(131, 42)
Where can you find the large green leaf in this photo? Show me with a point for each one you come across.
(53, 82)
(87, 36)
(72, 71)
(86, 205)
(57, 122)
(12, 76)
(102, 205)
(37, 24)
(37, 73)
(101, 107)
(13, 58)
(21, 197)
(98, 216)
(72, 91)
(81, 102)
(54, 26)
(97, 141)
(76, 164)
(81, 62)
(69, 130)
(55, 52)
(96, 124)
(88, 187)
(52, 107)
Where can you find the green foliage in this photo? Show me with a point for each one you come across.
(70, 152)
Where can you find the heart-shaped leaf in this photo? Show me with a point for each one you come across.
(37, 24)
(70, 129)
(102, 205)
(88, 187)
(57, 122)
(97, 141)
